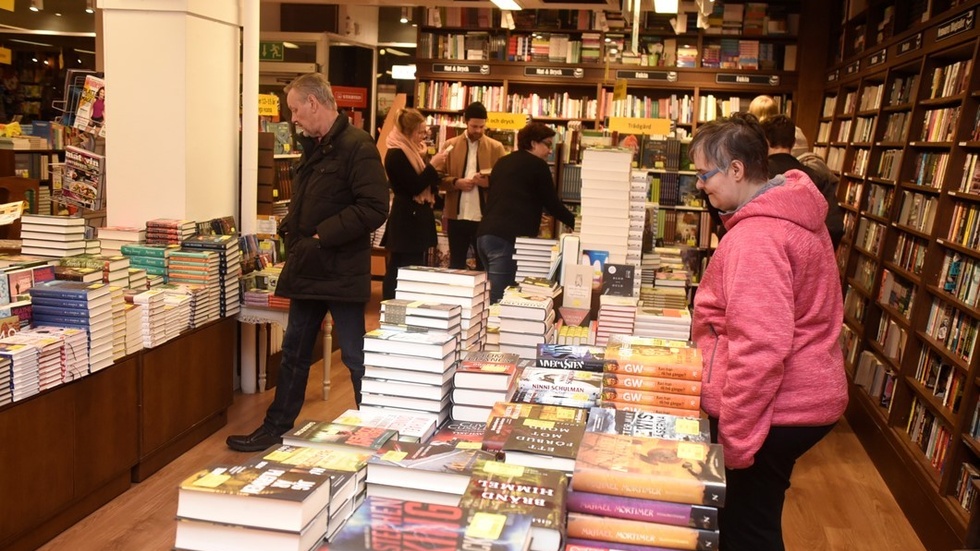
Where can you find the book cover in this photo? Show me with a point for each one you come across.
(541, 493)
(647, 510)
(338, 436)
(463, 432)
(567, 356)
(561, 380)
(653, 425)
(441, 466)
(651, 384)
(651, 468)
(639, 532)
(90, 110)
(255, 493)
(383, 524)
(410, 427)
(540, 433)
(660, 399)
(502, 415)
(306, 457)
(654, 361)
(617, 279)
(489, 374)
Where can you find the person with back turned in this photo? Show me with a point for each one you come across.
(465, 183)
(340, 196)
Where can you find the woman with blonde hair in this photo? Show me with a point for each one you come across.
(764, 107)
(414, 179)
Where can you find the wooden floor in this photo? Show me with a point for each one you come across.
(838, 501)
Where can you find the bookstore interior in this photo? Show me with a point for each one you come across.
(568, 415)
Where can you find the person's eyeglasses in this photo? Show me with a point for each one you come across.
(704, 176)
(547, 143)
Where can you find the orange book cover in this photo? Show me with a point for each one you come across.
(655, 361)
(651, 384)
(629, 406)
(638, 532)
(659, 399)
(651, 468)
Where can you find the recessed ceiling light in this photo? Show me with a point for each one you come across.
(37, 5)
(89, 6)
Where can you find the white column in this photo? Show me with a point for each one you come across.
(172, 117)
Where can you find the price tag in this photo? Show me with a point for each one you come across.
(691, 450)
(468, 445)
(503, 469)
(539, 423)
(687, 426)
(394, 456)
(212, 480)
(485, 525)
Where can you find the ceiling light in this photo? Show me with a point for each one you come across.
(290, 45)
(37, 5)
(34, 59)
(89, 6)
(507, 4)
(665, 6)
(404, 18)
(57, 14)
(393, 51)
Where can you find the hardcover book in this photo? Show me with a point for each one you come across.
(336, 436)
(567, 356)
(486, 370)
(541, 493)
(653, 425)
(654, 361)
(617, 279)
(640, 532)
(561, 380)
(503, 414)
(647, 510)
(382, 524)
(465, 433)
(441, 466)
(306, 457)
(545, 442)
(651, 468)
(659, 399)
(256, 493)
(410, 427)
(651, 384)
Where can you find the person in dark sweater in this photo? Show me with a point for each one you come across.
(414, 178)
(521, 186)
(780, 132)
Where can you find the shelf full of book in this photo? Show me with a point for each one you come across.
(898, 132)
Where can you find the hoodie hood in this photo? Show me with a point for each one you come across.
(795, 200)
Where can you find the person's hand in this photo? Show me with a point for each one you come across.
(438, 161)
(481, 180)
(465, 184)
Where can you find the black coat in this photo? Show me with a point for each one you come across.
(340, 195)
(411, 226)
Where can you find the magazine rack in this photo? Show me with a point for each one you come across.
(74, 84)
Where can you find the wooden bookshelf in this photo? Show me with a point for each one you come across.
(899, 122)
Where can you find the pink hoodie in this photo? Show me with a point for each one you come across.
(767, 315)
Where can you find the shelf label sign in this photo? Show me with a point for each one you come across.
(852, 68)
(272, 51)
(833, 75)
(506, 121)
(959, 24)
(732, 78)
(268, 105)
(461, 68)
(563, 72)
(878, 58)
(619, 89)
(910, 44)
(629, 125)
(668, 76)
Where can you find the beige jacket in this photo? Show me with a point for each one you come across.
(487, 154)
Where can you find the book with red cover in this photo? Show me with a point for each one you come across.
(461, 431)
(651, 468)
(329, 435)
(382, 524)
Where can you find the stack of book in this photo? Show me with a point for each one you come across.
(525, 321)
(482, 379)
(535, 257)
(24, 380)
(115, 269)
(541, 493)
(410, 427)
(255, 505)
(6, 394)
(199, 268)
(470, 290)
(646, 491)
(616, 317)
(663, 323)
(421, 316)
(52, 236)
(150, 258)
(168, 231)
(50, 349)
(137, 278)
(606, 201)
(493, 328)
(229, 267)
(177, 308)
(118, 301)
(78, 305)
(88, 275)
(112, 238)
(653, 378)
(578, 357)
(134, 333)
(74, 352)
(558, 387)
(202, 308)
(152, 317)
(432, 353)
(431, 472)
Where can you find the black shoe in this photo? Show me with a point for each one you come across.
(259, 440)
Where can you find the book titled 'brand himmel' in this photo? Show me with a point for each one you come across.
(382, 524)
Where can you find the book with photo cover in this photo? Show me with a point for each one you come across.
(90, 109)
(336, 436)
(653, 425)
(441, 465)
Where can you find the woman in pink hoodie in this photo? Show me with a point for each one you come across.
(767, 315)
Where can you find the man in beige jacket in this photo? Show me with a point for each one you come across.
(465, 180)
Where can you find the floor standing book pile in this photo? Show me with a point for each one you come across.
(468, 289)
(653, 378)
(229, 267)
(52, 236)
(78, 305)
(482, 379)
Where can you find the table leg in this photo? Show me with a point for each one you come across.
(247, 356)
(264, 330)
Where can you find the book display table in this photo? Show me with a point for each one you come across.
(255, 345)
